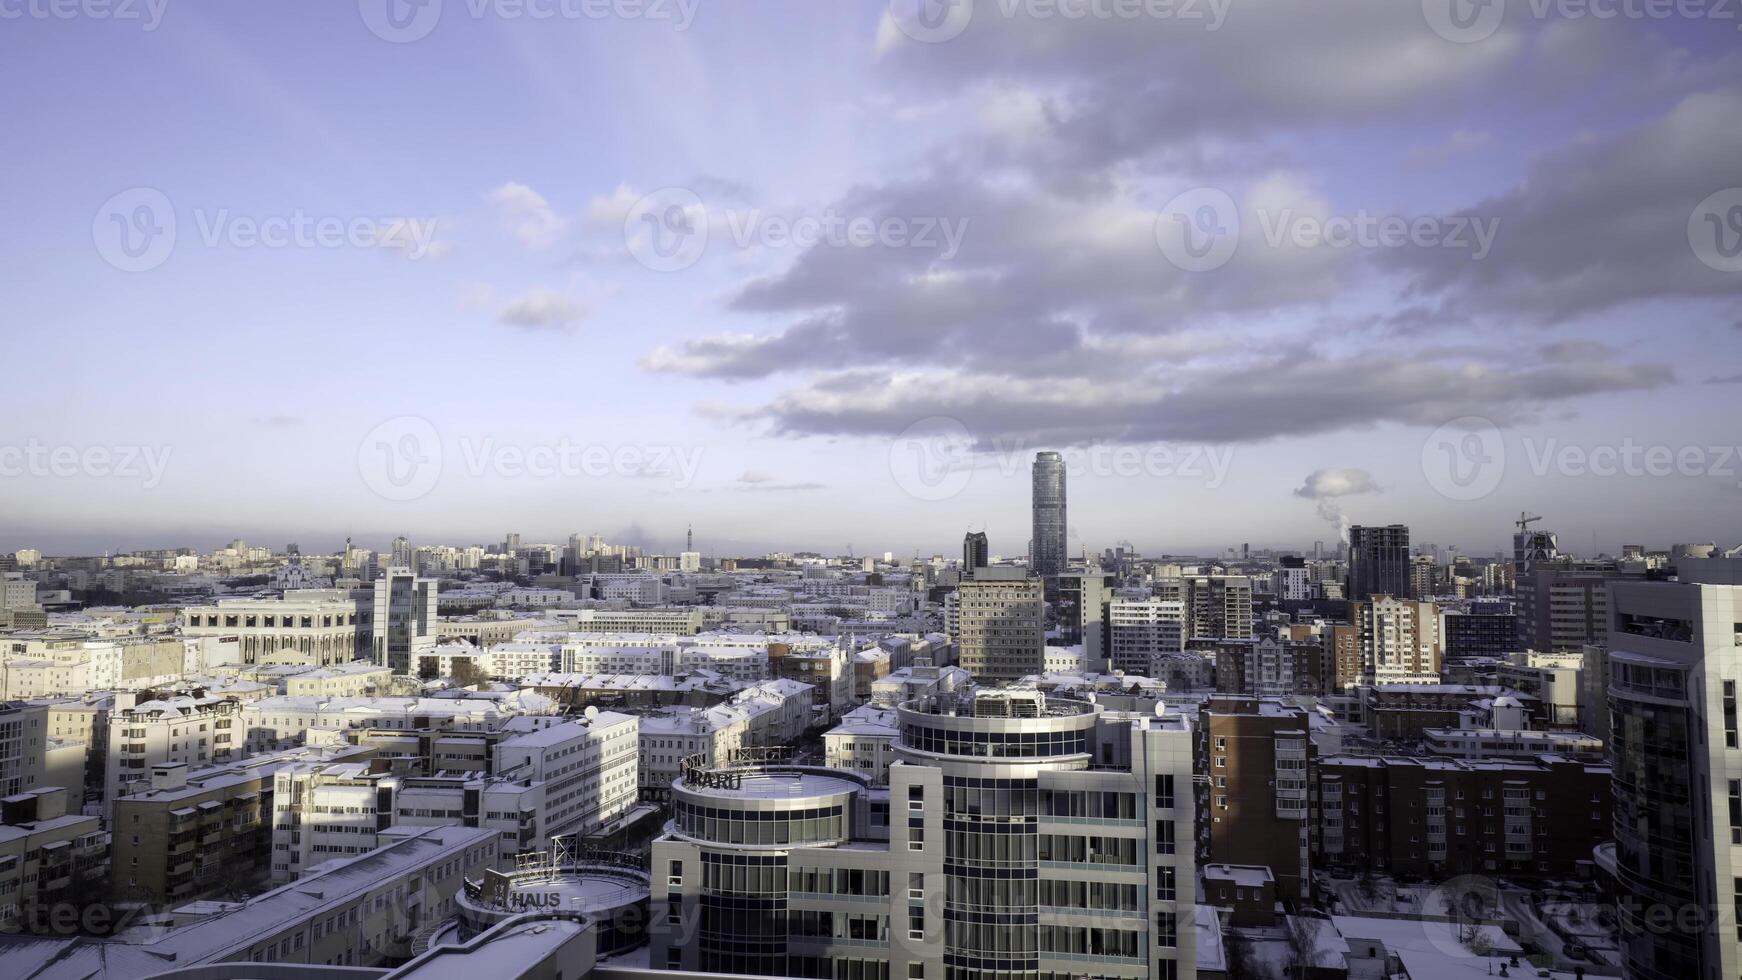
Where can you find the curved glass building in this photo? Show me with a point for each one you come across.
(1020, 836)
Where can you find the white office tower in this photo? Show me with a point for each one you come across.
(1020, 838)
(1675, 660)
(403, 618)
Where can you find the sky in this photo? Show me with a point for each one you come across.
(816, 275)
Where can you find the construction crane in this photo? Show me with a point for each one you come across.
(1525, 520)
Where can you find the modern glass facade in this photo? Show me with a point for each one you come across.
(1651, 744)
(1048, 548)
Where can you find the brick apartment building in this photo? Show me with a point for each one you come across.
(1258, 757)
(1437, 818)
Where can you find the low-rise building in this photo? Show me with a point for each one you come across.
(187, 833)
(51, 860)
(315, 626)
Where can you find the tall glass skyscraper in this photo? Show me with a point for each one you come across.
(1047, 548)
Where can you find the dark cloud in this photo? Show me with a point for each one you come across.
(1299, 396)
(1600, 223)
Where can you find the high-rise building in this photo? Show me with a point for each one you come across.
(1563, 605)
(1424, 577)
(403, 618)
(1290, 580)
(1675, 663)
(1047, 557)
(1001, 625)
(1021, 836)
(1379, 561)
(1217, 606)
(1259, 758)
(1143, 633)
(403, 556)
(976, 552)
(1400, 640)
(1485, 629)
(1082, 615)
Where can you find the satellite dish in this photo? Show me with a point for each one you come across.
(592, 712)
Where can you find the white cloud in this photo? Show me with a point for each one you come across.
(542, 309)
(528, 215)
(1336, 482)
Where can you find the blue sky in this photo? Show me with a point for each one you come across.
(768, 393)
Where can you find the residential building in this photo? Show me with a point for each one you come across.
(1440, 818)
(1675, 663)
(1399, 640)
(184, 833)
(197, 730)
(1144, 632)
(51, 860)
(1253, 808)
